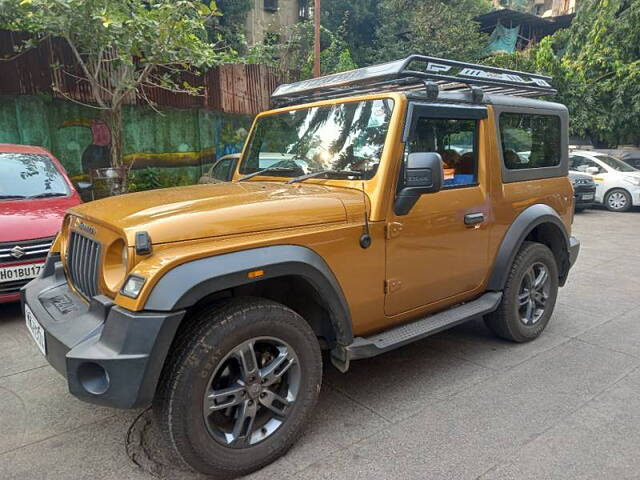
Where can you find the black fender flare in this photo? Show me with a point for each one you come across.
(182, 286)
(524, 223)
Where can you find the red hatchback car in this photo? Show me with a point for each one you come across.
(35, 192)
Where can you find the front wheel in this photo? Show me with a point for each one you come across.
(239, 387)
(529, 296)
(617, 200)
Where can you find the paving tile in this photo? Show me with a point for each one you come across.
(621, 334)
(47, 408)
(599, 441)
(404, 381)
(474, 342)
(571, 321)
(467, 434)
(91, 452)
(18, 352)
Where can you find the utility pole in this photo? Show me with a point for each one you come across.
(316, 18)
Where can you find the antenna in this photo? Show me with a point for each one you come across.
(365, 238)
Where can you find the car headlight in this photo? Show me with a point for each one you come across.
(633, 180)
(116, 265)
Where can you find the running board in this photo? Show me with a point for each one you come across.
(366, 347)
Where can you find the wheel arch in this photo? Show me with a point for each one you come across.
(317, 295)
(539, 223)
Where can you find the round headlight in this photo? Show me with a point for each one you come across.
(116, 263)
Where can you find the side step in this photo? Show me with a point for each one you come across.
(365, 347)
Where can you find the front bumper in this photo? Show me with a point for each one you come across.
(582, 191)
(574, 249)
(109, 355)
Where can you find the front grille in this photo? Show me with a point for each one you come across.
(83, 260)
(11, 252)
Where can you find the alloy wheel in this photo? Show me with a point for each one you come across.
(533, 294)
(617, 200)
(251, 392)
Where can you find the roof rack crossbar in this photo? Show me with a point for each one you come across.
(397, 76)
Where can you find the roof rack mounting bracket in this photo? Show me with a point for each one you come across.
(432, 89)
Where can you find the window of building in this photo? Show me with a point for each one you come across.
(530, 141)
(455, 141)
(303, 10)
(271, 5)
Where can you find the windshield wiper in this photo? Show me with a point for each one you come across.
(302, 178)
(48, 194)
(11, 197)
(266, 170)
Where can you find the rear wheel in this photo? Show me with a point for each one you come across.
(617, 200)
(529, 295)
(241, 385)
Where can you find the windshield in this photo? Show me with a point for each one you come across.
(346, 138)
(24, 175)
(616, 164)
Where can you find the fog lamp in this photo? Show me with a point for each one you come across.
(132, 286)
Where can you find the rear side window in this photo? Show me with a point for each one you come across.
(530, 140)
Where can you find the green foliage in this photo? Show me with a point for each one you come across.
(595, 65)
(153, 178)
(441, 28)
(123, 46)
(228, 29)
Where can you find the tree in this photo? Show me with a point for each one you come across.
(595, 65)
(122, 47)
(440, 28)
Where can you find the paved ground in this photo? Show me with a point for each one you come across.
(458, 405)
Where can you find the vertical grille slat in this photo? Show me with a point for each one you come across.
(82, 263)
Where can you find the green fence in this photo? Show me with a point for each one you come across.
(177, 144)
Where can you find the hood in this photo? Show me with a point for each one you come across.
(30, 219)
(212, 210)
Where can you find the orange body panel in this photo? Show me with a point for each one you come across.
(418, 263)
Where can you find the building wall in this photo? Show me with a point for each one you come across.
(261, 21)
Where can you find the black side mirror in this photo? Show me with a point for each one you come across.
(422, 174)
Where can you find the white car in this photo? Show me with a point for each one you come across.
(617, 183)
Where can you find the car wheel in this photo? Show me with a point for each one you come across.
(529, 296)
(239, 387)
(617, 200)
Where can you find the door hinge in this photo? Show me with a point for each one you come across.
(392, 285)
(393, 229)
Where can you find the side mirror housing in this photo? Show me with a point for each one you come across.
(592, 170)
(422, 174)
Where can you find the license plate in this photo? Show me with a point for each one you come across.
(36, 331)
(20, 272)
(587, 196)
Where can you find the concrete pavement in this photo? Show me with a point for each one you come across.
(459, 405)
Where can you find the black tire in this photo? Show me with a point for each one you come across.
(579, 209)
(507, 322)
(197, 355)
(623, 203)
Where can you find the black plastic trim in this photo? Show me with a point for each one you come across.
(524, 223)
(186, 284)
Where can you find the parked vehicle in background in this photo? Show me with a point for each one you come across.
(617, 182)
(35, 193)
(632, 157)
(394, 210)
(222, 170)
(584, 190)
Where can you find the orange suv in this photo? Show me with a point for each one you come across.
(408, 197)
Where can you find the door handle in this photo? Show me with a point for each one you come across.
(473, 218)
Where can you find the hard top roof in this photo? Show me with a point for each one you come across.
(416, 73)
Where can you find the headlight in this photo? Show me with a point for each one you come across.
(633, 180)
(133, 286)
(116, 265)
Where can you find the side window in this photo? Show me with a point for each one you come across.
(580, 164)
(456, 142)
(530, 141)
(222, 170)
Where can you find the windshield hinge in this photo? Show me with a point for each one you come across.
(393, 229)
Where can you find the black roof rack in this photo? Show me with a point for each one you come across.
(416, 72)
